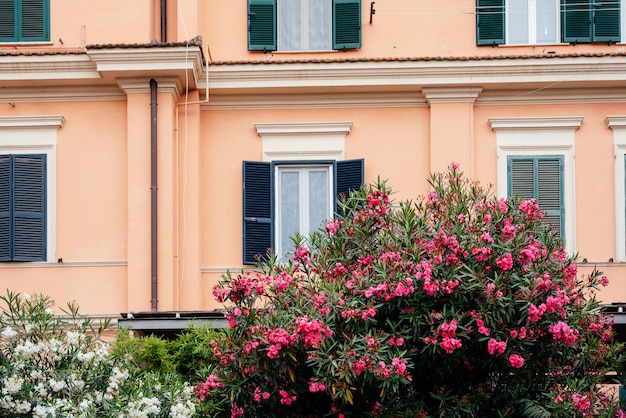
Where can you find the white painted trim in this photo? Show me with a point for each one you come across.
(305, 141)
(36, 135)
(535, 137)
(618, 125)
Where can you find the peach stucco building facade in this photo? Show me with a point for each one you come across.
(417, 90)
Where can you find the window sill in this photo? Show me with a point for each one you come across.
(534, 45)
(33, 43)
(316, 51)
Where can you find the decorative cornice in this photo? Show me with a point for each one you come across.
(451, 94)
(142, 85)
(12, 95)
(302, 128)
(23, 68)
(616, 122)
(390, 76)
(399, 99)
(543, 123)
(31, 122)
(185, 62)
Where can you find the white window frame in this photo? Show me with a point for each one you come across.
(532, 23)
(303, 199)
(304, 28)
(36, 135)
(538, 137)
(618, 125)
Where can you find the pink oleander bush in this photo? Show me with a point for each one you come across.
(455, 305)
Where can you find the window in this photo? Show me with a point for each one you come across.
(539, 178)
(22, 207)
(536, 160)
(282, 198)
(24, 20)
(304, 25)
(27, 187)
(618, 124)
(514, 22)
(303, 197)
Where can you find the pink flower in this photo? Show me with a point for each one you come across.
(496, 347)
(516, 360)
(563, 333)
(505, 262)
(582, 403)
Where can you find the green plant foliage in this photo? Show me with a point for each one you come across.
(60, 366)
(457, 304)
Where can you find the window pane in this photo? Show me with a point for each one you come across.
(319, 24)
(290, 27)
(318, 198)
(517, 19)
(289, 209)
(546, 21)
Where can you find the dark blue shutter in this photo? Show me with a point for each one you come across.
(29, 208)
(606, 21)
(576, 19)
(349, 176)
(262, 25)
(346, 24)
(5, 208)
(7, 20)
(490, 22)
(258, 223)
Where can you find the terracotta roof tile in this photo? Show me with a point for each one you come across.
(276, 60)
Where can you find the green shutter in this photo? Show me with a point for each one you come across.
(489, 22)
(29, 207)
(5, 208)
(7, 20)
(258, 223)
(262, 25)
(576, 19)
(606, 21)
(24, 20)
(34, 21)
(540, 178)
(346, 24)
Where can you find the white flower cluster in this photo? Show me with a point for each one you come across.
(56, 368)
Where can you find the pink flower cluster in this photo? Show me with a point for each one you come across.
(447, 331)
(203, 389)
(495, 347)
(312, 332)
(563, 333)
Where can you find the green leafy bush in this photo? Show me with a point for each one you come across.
(457, 304)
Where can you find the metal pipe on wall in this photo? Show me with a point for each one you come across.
(153, 194)
(163, 21)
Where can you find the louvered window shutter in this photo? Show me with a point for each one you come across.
(540, 178)
(7, 20)
(34, 20)
(576, 19)
(5, 208)
(346, 24)
(490, 22)
(29, 208)
(349, 176)
(606, 21)
(258, 223)
(262, 25)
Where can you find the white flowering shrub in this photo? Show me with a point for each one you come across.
(60, 366)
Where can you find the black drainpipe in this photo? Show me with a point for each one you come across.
(153, 191)
(163, 21)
